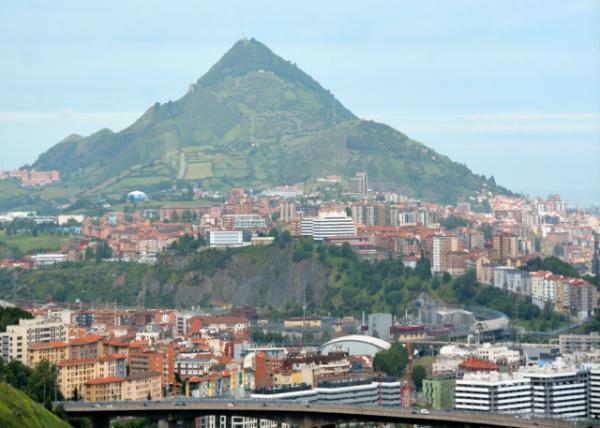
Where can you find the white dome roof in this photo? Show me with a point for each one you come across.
(369, 340)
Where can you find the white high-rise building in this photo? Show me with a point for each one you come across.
(493, 392)
(559, 391)
(328, 225)
(595, 392)
(225, 238)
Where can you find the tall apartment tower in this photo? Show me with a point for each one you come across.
(288, 211)
(505, 246)
(359, 184)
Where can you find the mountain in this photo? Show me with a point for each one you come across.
(257, 120)
(17, 410)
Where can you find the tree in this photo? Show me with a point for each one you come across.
(559, 250)
(149, 396)
(11, 316)
(453, 221)
(89, 253)
(487, 230)
(392, 361)
(15, 373)
(75, 396)
(419, 373)
(42, 381)
(423, 268)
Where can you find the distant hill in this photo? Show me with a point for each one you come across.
(17, 410)
(255, 119)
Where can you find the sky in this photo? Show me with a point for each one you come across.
(510, 88)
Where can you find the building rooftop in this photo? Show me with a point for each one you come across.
(103, 380)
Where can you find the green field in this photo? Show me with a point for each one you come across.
(199, 170)
(27, 243)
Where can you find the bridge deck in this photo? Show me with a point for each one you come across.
(303, 414)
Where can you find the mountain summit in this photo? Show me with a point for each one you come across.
(255, 119)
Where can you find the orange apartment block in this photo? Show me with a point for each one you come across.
(74, 373)
(162, 361)
(137, 386)
(53, 352)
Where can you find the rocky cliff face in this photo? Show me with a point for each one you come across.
(267, 277)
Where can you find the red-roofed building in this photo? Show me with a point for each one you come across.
(473, 364)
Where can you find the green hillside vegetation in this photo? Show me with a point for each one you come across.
(254, 119)
(17, 410)
(277, 276)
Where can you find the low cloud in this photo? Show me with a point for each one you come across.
(102, 118)
(496, 122)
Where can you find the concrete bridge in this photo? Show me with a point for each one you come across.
(169, 413)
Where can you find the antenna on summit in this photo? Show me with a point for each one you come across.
(244, 31)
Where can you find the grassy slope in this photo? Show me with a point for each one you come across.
(26, 242)
(19, 411)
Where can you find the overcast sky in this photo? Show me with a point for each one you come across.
(511, 88)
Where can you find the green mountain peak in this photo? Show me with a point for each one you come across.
(255, 119)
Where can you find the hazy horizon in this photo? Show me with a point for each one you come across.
(520, 101)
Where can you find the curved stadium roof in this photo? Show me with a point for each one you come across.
(369, 340)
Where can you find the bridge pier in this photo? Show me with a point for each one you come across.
(167, 423)
(100, 422)
(188, 423)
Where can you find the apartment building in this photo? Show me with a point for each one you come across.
(511, 279)
(143, 385)
(504, 246)
(559, 391)
(571, 343)
(53, 352)
(594, 392)
(138, 386)
(442, 247)
(161, 361)
(493, 392)
(327, 225)
(225, 238)
(359, 184)
(352, 392)
(17, 339)
(536, 283)
(74, 373)
(103, 389)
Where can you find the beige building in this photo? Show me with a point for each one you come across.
(17, 339)
(570, 343)
(53, 352)
(299, 322)
(103, 389)
(74, 373)
(140, 386)
(505, 246)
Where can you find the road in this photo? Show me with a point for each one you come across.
(300, 414)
